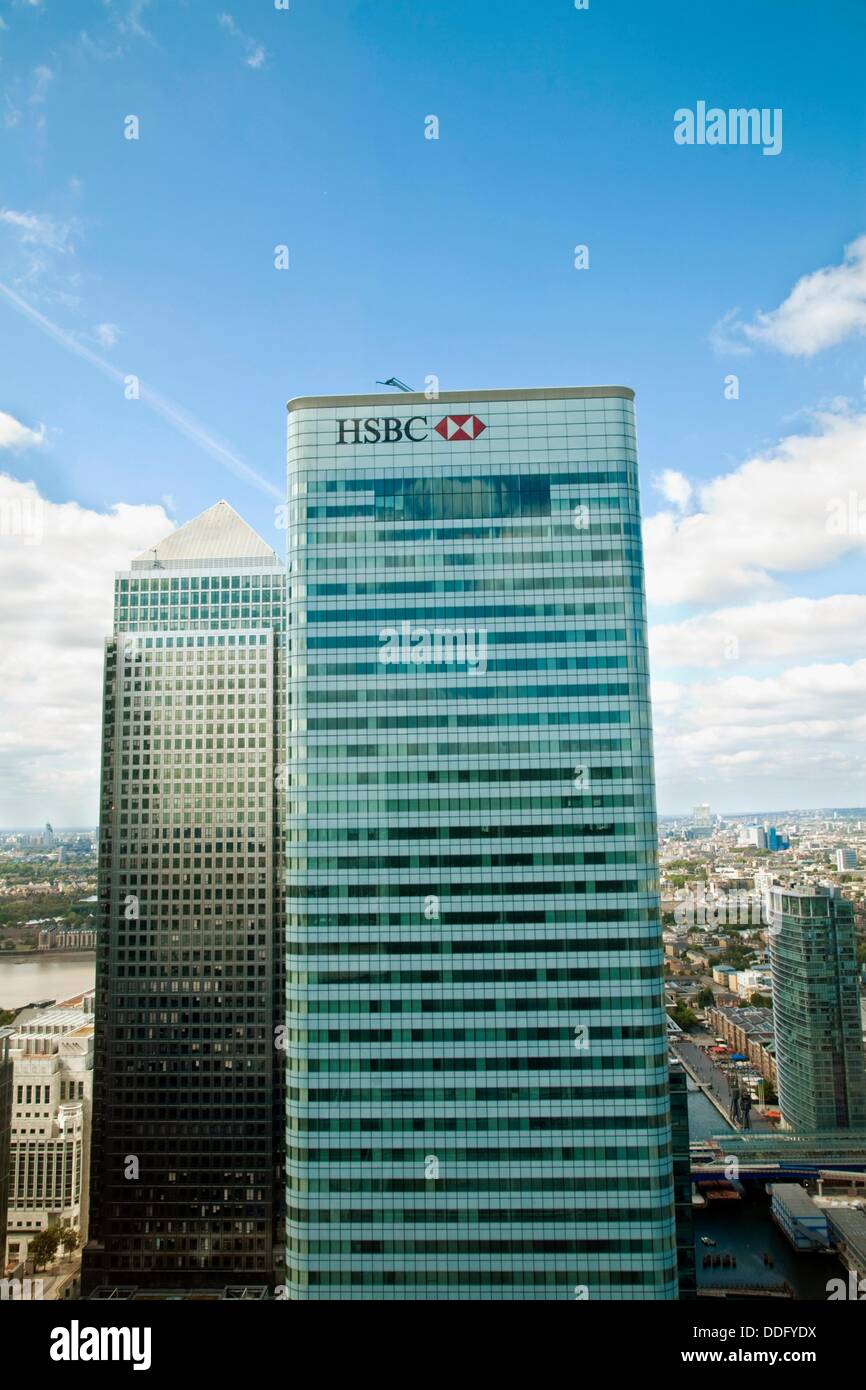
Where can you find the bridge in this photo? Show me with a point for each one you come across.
(779, 1157)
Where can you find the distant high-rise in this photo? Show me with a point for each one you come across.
(478, 1103)
(188, 1086)
(702, 815)
(752, 835)
(846, 859)
(816, 1010)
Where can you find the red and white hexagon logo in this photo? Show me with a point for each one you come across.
(460, 427)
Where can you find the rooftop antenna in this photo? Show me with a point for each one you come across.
(396, 382)
(157, 563)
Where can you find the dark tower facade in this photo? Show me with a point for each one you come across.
(186, 1154)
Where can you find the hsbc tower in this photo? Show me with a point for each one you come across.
(477, 1097)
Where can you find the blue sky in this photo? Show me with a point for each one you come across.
(454, 257)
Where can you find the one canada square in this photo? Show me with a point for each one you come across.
(188, 1082)
(477, 1102)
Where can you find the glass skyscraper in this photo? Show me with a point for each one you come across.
(187, 1128)
(816, 1009)
(477, 1087)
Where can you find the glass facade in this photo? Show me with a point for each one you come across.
(816, 1010)
(188, 1085)
(477, 1084)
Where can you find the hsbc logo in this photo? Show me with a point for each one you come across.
(460, 427)
(387, 429)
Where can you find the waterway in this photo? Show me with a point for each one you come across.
(746, 1230)
(58, 975)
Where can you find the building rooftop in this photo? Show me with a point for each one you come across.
(795, 1198)
(527, 393)
(218, 533)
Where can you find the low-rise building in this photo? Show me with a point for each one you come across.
(799, 1217)
(52, 1077)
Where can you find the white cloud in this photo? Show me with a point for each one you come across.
(823, 309)
(59, 560)
(796, 738)
(798, 629)
(37, 229)
(127, 16)
(674, 487)
(15, 436)
(42, 78)
(107, 334)
(44, 250)
(255, 52)
(792, 509)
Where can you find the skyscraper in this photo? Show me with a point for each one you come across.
(188, 1084)
(816, 1010)
(477, 1065)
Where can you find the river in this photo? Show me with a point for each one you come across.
(58, 975)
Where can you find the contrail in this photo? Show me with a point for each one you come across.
(184, 424)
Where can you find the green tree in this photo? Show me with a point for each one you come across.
(760, 1001)
(684, 1016)
(706, 999)
(69, 1239)
(43, 1247)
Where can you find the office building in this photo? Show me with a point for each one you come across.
(846, 859)
(51, 1051)
(188, 1081)
(753, 836)
(478, 1099)
(816, 1012)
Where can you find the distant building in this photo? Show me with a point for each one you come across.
(846, 859)
(701, 815)
(752, 836)
(750, 1031)
(748, 982)
(819, 1046)
(63, 938)
(51, 1051)
(774, 840)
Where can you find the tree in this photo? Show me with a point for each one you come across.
(69, 1239)
(684, 1016)
(760, 1001)
(706, 999)
(43, 1247)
